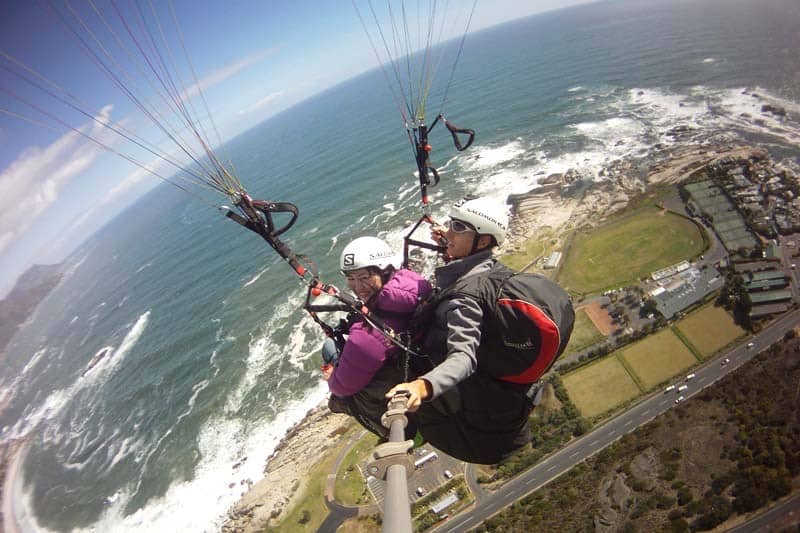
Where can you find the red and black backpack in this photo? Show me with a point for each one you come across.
(528, 320)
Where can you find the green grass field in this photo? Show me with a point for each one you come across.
(600, 386)
(350, 485)
(627, 249)
(584, 334)
(658, 357)
(709, 329)
(310, 511)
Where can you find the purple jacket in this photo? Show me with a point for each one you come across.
(366, 349)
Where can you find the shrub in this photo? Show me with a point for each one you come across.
(305, 516)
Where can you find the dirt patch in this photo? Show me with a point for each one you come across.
(599, 317)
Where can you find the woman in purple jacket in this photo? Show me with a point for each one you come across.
(369, 363)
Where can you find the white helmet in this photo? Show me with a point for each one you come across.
(486, 216)
(366, 252)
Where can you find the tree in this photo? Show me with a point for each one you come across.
(718, 509)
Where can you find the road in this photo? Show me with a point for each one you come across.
(591, 443)
(761, 522)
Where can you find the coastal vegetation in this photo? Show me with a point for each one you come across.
(533, 249)
(726, 452)
(350, 488)
(310, 510)
(629, 248)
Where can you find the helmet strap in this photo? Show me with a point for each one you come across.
(475, 240)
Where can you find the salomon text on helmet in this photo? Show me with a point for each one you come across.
(366, 252)
(486, 216)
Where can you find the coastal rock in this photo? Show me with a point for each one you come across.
(286, 471)
(775, 110)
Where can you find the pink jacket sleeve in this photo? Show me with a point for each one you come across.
(363, 355)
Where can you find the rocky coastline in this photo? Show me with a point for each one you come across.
(560, 204)
(287, 470)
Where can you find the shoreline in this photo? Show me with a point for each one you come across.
(13, 454)
(286, 471)
(561, 204)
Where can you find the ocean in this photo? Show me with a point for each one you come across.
(175, 347)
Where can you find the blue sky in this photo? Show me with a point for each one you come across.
(252, 59)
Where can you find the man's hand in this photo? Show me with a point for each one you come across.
(327, 371)
(418, 390)
(437, 234)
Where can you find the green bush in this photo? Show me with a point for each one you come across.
(684, 496)
(305, 516)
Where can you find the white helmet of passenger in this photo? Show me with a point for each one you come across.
(366, 252)
(486, 216)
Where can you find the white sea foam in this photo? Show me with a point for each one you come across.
(144, 266)
(490, 157)
(263, 350)
(720, 111)
(257, 276)
(232, 453)
(574, 89)
(34, 360)
(709, 60)
(50, 409)
(196, 390)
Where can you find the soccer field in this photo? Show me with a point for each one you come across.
(710, 329)
(658, 357)
(600, 386)
(625, 250)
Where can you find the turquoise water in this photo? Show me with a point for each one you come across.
(208, 359)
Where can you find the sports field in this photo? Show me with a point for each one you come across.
(600, 386)
(584, 334)
(709, 329)
(630, 248)
(658, 357)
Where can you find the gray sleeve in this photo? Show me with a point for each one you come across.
(464, 319)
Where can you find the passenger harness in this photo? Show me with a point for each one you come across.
(257, 216)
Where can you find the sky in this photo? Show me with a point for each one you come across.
(249, 60)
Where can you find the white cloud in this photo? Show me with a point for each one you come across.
(222, 74)
(35, 180)
(261, 104)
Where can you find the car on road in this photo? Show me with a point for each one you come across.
(690, 376)
(683, 388)
(750, 345)
(679, 399)
(448, 474)
(669, 388)
(725, 361)
(420, 491)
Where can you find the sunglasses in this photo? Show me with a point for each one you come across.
(457, 226)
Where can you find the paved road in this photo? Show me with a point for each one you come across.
(591, 443)
(761, 523)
